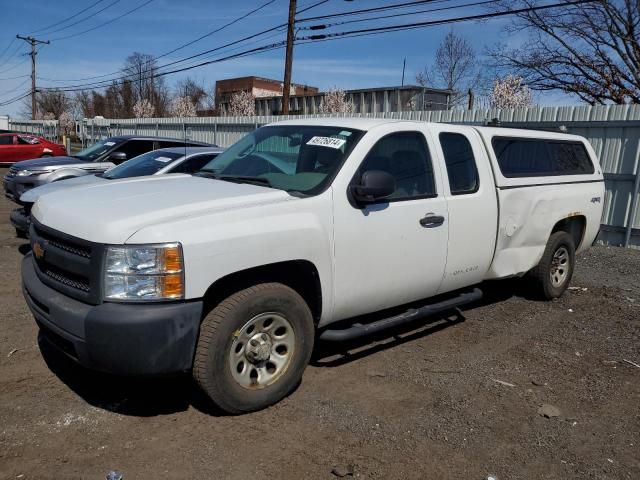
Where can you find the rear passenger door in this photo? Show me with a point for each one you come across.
(394, 251)
(473, 208)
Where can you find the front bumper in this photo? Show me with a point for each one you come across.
(124, 339)
(20, 219)
(14, 187)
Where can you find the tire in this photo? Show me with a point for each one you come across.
(552, 275)
(243, 369)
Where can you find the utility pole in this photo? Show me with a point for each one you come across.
(33, 42)
(289, 57)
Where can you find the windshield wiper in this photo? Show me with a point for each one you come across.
(234, 178)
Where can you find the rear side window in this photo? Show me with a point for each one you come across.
(6, 140)
(524, 157)
(460, 162)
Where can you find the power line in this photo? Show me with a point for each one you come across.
(395, 15)
(66, 19)
(16, 65)
(84, 18)
(104, 24)
(12, 55)
(409, 26)
(218, 29)
(106, 82)
(15, 99)
(6, 49)
(119, 72)
(13, 78)
(368, 10)
(317, 4)
(246, 53)
(18, 87)
(316, 38)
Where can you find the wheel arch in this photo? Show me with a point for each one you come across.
(574, 225)
(299, 275)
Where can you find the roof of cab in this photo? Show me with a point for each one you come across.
(360, 123)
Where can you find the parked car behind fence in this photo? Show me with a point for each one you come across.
(16, 147)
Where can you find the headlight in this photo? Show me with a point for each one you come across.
(144, 272)
(28, 173)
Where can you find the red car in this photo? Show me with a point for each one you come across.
(17, 146)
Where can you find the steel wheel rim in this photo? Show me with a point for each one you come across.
(262, 350)
(559, 266)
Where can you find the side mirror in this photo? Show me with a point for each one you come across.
(117, 157)
(374, 185)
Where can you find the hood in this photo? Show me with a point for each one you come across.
(49, 162)
(30, 196)
(111, 212)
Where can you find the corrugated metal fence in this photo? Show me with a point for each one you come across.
(613, 130)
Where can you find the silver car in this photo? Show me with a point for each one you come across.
(156, 162)
(97, 158)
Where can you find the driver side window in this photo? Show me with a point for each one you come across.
(405, 156)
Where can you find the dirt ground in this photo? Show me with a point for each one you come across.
(457, 398)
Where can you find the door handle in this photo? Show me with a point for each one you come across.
(430, 220)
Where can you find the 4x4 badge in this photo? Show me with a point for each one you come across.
(38, 251)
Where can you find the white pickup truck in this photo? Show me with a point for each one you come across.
(296, 233)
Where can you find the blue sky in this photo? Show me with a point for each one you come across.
(162, 25)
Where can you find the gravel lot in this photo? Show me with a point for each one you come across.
(457, 398)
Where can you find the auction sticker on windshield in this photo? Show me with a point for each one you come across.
(327, 142)
(162, 159)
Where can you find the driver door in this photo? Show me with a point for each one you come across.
(393, 251)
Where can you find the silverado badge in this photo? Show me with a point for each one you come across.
(38, 251)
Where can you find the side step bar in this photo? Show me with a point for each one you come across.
(360, 330)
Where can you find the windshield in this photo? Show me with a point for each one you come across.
(145, 164)
(95, 150)
(288, 157)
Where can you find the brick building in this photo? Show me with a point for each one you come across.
(258, 86)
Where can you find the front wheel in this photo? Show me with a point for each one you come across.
(253, 347)
(552, 275)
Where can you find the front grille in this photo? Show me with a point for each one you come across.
(66, 278)
(68, 264)
(67, 246)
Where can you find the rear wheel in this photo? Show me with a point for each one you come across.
(253, 347)
(552, 275)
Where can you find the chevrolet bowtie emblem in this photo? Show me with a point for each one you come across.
(38, 251)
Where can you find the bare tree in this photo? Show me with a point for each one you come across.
(141, 70)
(193, 90)
(591, 50)
(48, 101)
(456, 68)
